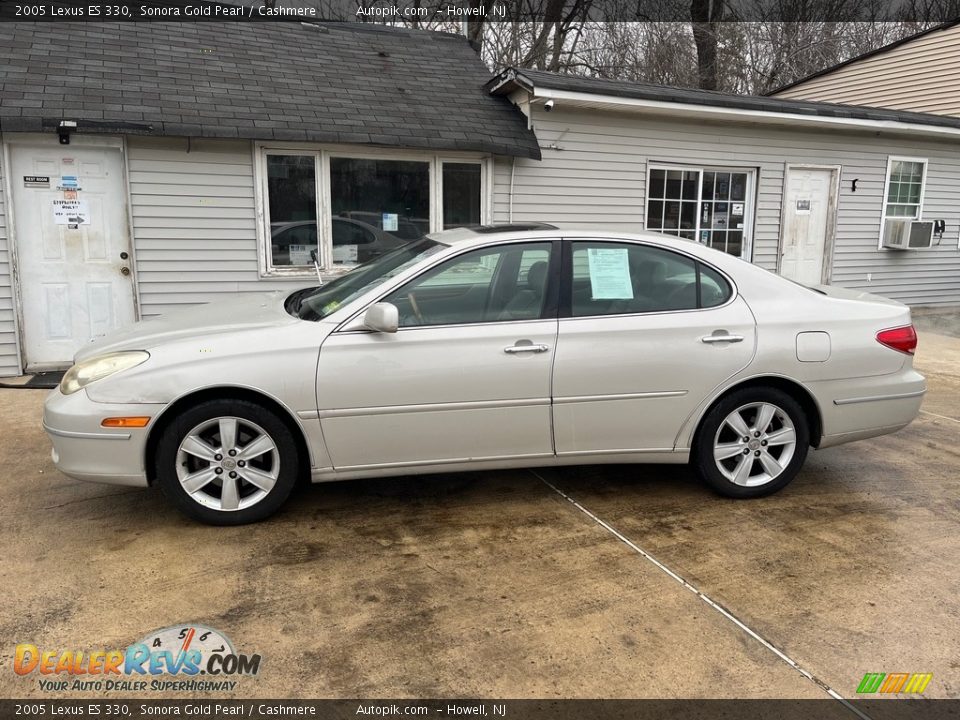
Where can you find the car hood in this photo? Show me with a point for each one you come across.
(238, 313)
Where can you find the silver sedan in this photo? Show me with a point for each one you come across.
(482, 349)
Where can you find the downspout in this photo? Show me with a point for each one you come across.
(513, 170)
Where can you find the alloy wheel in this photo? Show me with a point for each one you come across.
(754, 444)
(228, 463)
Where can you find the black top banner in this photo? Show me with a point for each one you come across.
(424, 13)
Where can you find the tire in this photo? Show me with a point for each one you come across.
(774, 459)
(224, 488)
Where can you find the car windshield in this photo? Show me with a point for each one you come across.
(317, 302)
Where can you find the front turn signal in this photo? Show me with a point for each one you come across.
(125, 422)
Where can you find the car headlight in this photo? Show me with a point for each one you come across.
(97, 368)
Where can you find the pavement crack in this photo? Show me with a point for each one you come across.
(88, 499)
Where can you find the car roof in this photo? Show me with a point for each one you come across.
(486, 234)
(491, 234)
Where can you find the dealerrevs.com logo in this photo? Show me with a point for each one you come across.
(188, 657)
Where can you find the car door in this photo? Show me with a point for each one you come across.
(465, 378)
(645, 335)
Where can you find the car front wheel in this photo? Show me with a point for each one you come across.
(752, 443)
(227, 462)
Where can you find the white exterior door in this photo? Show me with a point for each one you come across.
(808, 209)
(73, 247)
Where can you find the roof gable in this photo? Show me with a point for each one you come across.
(318, 82)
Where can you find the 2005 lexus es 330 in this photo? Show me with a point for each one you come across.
(489, 348)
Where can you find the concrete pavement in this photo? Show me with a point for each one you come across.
(496, 585)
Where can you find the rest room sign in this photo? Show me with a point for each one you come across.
(36, 181)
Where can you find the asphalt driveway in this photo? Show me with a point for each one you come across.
(608, 581)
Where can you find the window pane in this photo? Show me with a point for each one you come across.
(461, 194)
(691, 185)
(735, 242)
(671, 217)
(902, 211)
(503, 283)
(654, 215)
(911, 193)
(722, 188)
(292, 200)
(657, 180)
(628, 278)
(714, 290)
(390, 198)
(706, 214)
(738, 186)
(708, 182)
(674, 184)
(688, 216)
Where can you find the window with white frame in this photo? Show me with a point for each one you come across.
(347, 208)
(713, 206)
(903, 199)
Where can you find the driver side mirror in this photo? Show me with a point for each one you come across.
(382, 317)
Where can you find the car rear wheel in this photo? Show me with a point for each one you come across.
(752, 443)
(227, 462)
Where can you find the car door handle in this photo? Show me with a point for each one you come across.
(513, 349)
(710, 339)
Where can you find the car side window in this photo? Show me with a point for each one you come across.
(502, 283)
(627, 278)
(714, 289)
(346, 233)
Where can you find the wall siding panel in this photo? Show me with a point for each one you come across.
(593, 174)
(9, 363)
(921, 75)
(194, 222)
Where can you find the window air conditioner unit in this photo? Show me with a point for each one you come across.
(907, 234)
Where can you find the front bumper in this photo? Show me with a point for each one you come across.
(84, 450)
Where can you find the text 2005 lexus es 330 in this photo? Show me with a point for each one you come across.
(489, 348)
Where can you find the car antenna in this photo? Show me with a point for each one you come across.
(316, 265)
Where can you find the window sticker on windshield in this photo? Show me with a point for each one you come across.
(610, 274)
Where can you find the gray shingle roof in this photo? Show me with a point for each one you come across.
(513, 77)
(338, 83)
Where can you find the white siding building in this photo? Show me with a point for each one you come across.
(919, 73)
(817, 182)
(215, 173)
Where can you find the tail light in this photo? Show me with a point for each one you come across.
(903, 339)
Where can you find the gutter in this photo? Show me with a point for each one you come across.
(714, 112)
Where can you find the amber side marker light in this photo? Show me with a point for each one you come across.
(125, 422)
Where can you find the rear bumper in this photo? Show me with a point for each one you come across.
(85, 451)
(867, 407)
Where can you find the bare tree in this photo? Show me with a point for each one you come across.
(705, 17)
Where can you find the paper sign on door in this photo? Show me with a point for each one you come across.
(71, 212)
